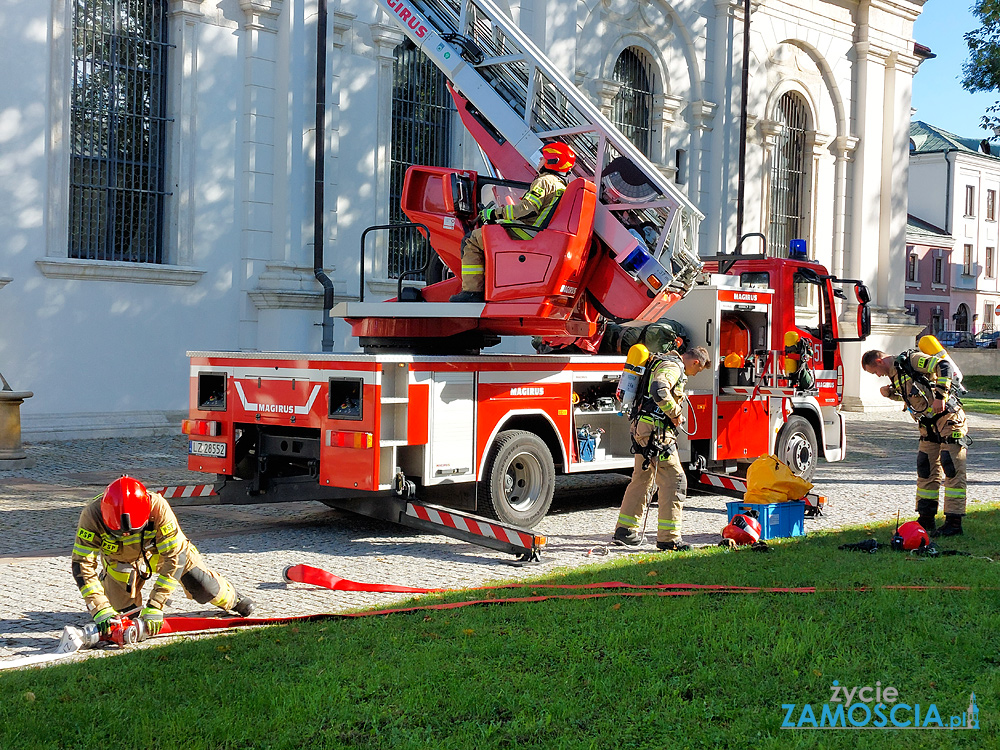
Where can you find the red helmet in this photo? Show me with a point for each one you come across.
(742, 530)
(558, 156)
(125, 506)
(911, 535)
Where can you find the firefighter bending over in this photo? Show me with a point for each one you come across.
(655, 421)
(535, 208)
(124, 538)
(924, 384)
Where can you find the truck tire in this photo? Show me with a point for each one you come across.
(797, 447)
(519, 480)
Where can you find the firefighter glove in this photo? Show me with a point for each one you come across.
(488, 215)
(105, 618)
(153, 618)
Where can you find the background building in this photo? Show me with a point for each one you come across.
(928, 275)
(157, 167)
(953, 185)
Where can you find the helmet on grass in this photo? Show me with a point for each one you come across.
(742, 530)
(911, 535)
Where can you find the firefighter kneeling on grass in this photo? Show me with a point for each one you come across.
(125, 537)
(658, 414)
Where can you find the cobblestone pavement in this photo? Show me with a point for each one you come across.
(252, 544)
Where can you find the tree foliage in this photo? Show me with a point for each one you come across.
(981, 71)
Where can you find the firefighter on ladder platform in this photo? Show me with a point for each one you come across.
(924, 384)
(127, 535)
(535, 208)
(656, 418)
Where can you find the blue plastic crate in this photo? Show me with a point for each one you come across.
(776, 519)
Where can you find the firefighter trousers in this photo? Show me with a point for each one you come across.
(941, 457)
(123, 585)
(671, 488)
(473, 262)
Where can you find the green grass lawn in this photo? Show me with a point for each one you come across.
(984, 394)
(706, 670)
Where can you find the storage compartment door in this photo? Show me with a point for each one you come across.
(452, 430)
(743, 429)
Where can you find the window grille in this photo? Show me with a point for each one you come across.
(788, 175)
(632, 107)
(117, 128)
(421, 134)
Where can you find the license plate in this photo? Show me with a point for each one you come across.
(207, 448)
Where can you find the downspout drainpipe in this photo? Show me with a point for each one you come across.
(741, 184)
(320, 177)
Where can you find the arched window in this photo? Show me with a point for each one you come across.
(632, 107)
(117, 127)
(788, 175)
(962, 318)
(421, 134)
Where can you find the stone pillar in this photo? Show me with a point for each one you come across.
(12, 455)
(257, 170)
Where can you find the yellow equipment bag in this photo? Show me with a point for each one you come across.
(771, 481)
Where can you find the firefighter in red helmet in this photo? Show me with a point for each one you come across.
(129, 535)
(555, 162)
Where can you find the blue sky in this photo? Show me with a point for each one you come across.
(938, 95)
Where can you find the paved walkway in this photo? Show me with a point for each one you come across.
(252, 544)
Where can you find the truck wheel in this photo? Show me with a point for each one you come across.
(519, 480)
(797, 447)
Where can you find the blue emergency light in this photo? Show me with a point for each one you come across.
(797, 250)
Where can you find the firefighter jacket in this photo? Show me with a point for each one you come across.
(129, 559)
(663, 405)
(538, 203)
(918, 380)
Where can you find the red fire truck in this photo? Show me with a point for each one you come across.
(424, 415)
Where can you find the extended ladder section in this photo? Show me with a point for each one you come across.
(513, 99)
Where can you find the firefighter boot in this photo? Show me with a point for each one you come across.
(675, 546)
(627, 537)
(468, 297)
(926, 510)
(244, 605)
(952, 526)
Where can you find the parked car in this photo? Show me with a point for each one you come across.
(956, 339)
(987, 339)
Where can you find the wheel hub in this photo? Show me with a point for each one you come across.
(799, 454)
(522, 482)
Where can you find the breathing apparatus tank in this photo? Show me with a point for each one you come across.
(932, 347)
(628, 383)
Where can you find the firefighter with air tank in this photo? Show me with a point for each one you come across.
(657, 413)
(125, 537)
(926, 380)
